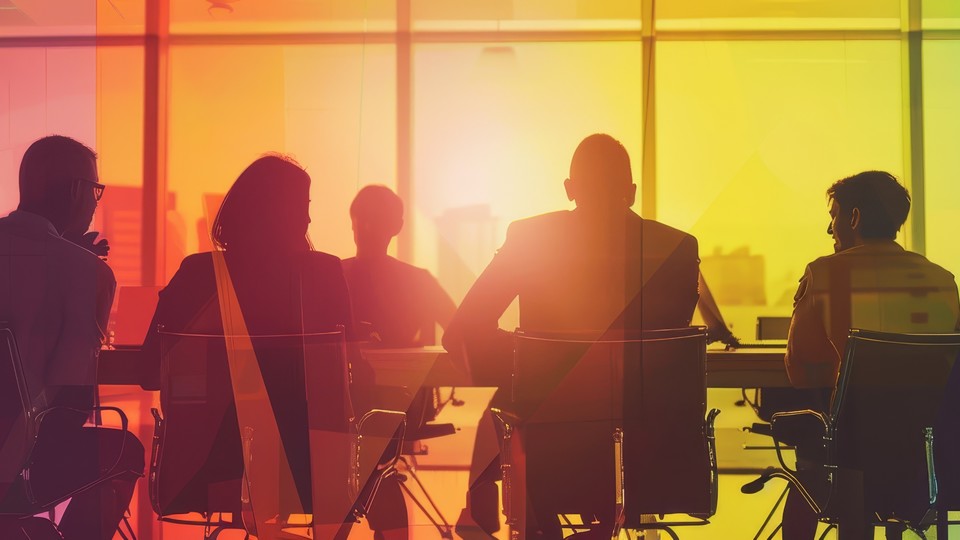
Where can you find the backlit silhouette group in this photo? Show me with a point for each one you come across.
(593, 269)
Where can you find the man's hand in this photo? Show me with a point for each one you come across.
(100, 248)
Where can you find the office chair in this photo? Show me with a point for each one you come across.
(238, 471)
(424, 408)
(20, 422)
(946, 451)
(422, 404)
(880, 425)
(630, 409)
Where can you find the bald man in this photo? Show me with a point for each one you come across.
(596, 268)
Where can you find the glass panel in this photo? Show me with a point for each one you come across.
(766, 15)
(119, 111)
(115, 17)
(48, 18)
(525, 15)
(941, 79)
(280, 16)
(43, 91)
(750, 135)
(331, 107)
(495, 127)
(941, 15)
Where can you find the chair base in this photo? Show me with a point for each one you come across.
(439, 522)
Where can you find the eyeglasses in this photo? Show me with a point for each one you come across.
(98, 188)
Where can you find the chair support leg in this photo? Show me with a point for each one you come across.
(773, 510)
(442, 526)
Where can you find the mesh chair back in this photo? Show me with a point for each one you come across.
(947, 443)
(200, 462)
(651, 384)
(16, 422)
(890, 389)
(667, 463)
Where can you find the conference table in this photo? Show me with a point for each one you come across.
(725, 368)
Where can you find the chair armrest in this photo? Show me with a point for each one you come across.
(393, 418)
(711, 436)
(158, 426)
(798, 422)
(105, 475)
(376, 423)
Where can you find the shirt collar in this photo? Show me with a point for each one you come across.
(34, 221)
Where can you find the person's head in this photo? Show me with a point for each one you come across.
(868, 206)
(267, 207)
(600, 176)
(58, 180)
(377, 216)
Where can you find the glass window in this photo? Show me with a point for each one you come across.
(941, 79)
(750, 135)
(495, 126)
(48, 18)
(941, 15)
(513, 15)
(331, 107)
(43, 91)
(280, 16)
(766, 15)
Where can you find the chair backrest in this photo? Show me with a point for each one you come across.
(200, 461)
(651, 383)
(890, 389)
(947, 444)
(16, 417)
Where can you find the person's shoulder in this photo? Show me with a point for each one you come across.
(931, 267)
(78, 255)
(321, 261)
(197, 261)
(550, 220)
(666, 231)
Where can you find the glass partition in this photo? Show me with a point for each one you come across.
(749, 137)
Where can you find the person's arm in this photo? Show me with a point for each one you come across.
(691, 276)
(479, 314)
(184, 300)
(710, 312)
(440, 307)
(811, 360)
(71, 376)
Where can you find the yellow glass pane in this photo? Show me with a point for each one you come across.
(750, 135)
(941, 81)
(495, 127)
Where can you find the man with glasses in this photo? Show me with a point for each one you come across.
(77, 232)
(56, 297)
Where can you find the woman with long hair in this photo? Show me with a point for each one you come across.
(263, 279)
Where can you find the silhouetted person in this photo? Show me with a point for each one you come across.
(399, 305)
(283, 287)
(870, 283)
(598, 267)
(57, 298)
(402, 304)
